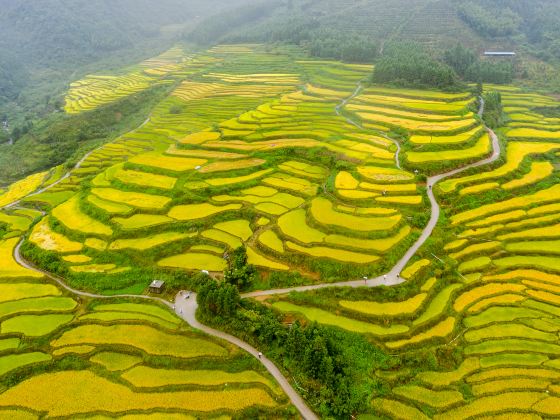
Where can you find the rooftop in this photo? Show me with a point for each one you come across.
(157, 284)
(508, 53)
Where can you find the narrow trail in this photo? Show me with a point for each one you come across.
(338, 110)
(186, 308)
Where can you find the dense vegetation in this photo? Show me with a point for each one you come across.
(470, 67)
(493, 109)
(526, 25)
(348, 351)
(46, 45)
(330, 365)
(259, 169)
(530, 22)
(53, 34)
(407, 65)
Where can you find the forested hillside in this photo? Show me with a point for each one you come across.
(521, 24)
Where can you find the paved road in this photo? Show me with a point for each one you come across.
(186, 309)
(481, 108)
(24, 263)
(392, 278)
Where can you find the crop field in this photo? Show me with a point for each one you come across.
(94, 91)
(442, 129)
(21, 188)
(507, 294)
(116, 343)
(493, 300)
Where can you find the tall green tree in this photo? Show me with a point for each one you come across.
(239, 272)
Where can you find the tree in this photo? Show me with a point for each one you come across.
(239, 272)
(468, 66)
(407, 64)
(479, 90)
(493, 109)
(218, 298)
(460, 59)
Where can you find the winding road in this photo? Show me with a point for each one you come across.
(186, 308)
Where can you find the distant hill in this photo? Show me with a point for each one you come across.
(528, 25)
(66, 34)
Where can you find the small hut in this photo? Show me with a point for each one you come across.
(157, 286)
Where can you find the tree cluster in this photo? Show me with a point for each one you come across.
(218, 25)
(343, 46)
(219, 299)
(407, 64)
(488, 19)
(319, 357)
(493, 109)
(239, 272)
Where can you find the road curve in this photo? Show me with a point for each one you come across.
(67, 175)
(393, 278)
(24, 263)
(186, 309)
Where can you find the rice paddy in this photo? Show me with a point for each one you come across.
(82, 385)
(70, 215)
(133, 199)
(31, 310)
(504, 251)
(144, 377)
(21, 188)
(197, 261)
(34, 325)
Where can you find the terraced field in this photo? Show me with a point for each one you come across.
(94, 91)
(66, 356)
(252, 157)
(442, 130)
(491, 298)
(294, 160)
